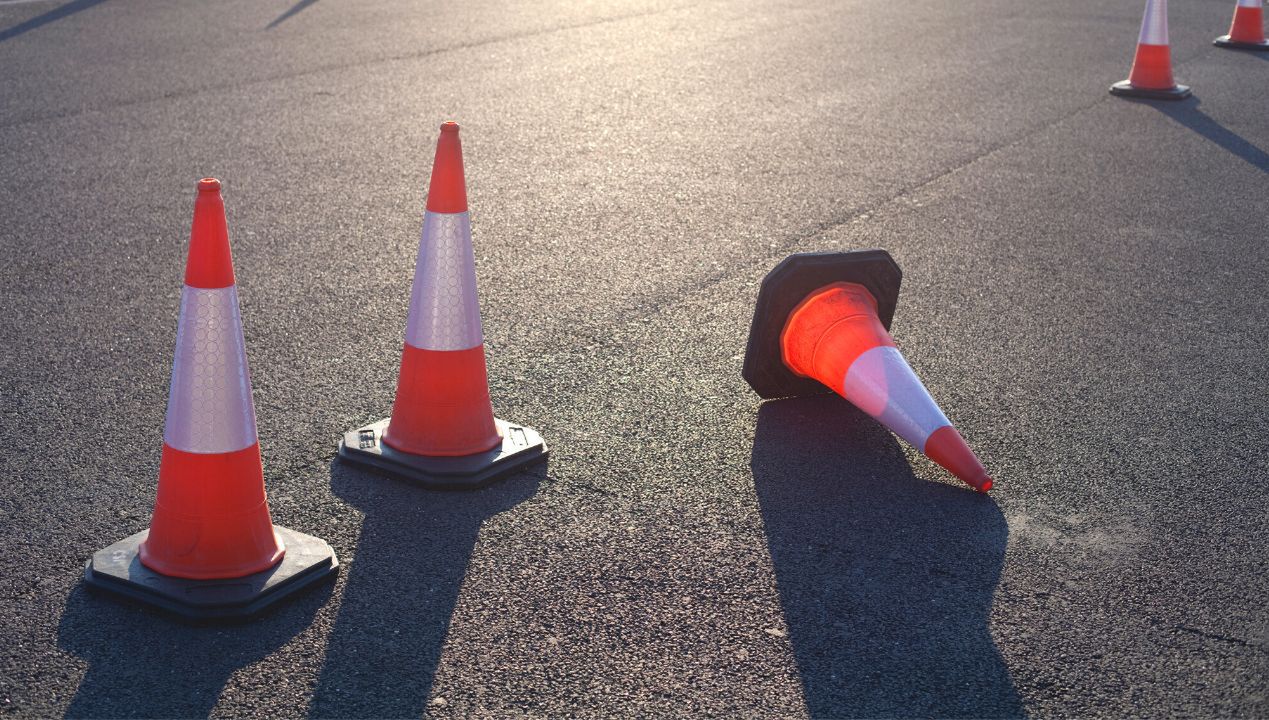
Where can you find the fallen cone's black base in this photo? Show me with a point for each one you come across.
(1123, 88)
(118, 571)
(1225, 42)
(785, 287)
(521, 446)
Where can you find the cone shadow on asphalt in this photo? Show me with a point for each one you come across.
(886, 579)
(1187, 113)
(401, 587)
(53, 15)
(297, 7)
(143, 664)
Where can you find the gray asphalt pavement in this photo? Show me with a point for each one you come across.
(1084, 292)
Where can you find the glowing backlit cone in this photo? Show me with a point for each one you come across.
(1151, 74)
(442, 431)
(821, 323)
(1247, 32)
(211, 519)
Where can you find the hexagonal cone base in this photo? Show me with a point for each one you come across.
(1123, 88)
(1225, 42)
(521, 447)
(785, 287)
(118, 570)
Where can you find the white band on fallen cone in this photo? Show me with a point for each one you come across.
(1249, 3)
(881, 383)
(209, 408)
(444, 310)
(1154, 25)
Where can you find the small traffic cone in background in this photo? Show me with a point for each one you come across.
(1247, 32)
(821, 322)
(442, 432)
(1151, 74)
(211, 519)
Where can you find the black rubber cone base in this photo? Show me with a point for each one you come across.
(785, 287)
(1225, 42)
(118, 571)
(1123, 88)
(521, 446)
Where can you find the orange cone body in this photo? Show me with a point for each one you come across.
(1249, 23)
(1152, 65)
(211, 519)
(1151, 74)
(836, 337)
(442, 405)
(1247, 32)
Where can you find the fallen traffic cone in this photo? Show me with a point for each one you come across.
(442, 432)
(821, 323)
(211, 519)
(1151, 74)
(1248, 29)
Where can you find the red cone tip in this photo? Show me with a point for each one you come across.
(946, 447)
(209, 264)
(447, 192)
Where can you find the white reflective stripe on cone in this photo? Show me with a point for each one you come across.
(209, 408)
(1154, 25)
(1249, 3)
(444, 310)
(881, 383)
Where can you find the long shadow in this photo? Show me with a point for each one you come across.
(1187, 113)
(291, 11)
(141, 664)
(402, 585)
(56, 13)
(886, 579)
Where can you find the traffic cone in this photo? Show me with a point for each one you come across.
(443, 432)
(1151, 74)
(1247, 32)
(821, 323)
(211, 519)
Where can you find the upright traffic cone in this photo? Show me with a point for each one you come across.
(821, 323)
(442, 432)
(1248, 29)
(211, 519)
(1151, 74)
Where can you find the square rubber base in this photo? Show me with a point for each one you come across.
(118, 571)
(1123, 88)
(1225, 42)
(785, 287)
(521, 446)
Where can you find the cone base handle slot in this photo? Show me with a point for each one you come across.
(1225, 42)
(521, 447)
(117, 570)
(1123, 88)
(785, 287)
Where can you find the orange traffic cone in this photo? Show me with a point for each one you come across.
(821, 323)
(1248, 29)
(1151, 74)
(442, 432)
(211, 519)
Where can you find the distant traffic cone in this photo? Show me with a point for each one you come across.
(1248, 29)
(442, 432)
(1151, 74)
(211, 519)
(821, 323)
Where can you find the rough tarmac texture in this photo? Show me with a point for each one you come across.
(1084, 293)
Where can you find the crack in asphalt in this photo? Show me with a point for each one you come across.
(191, 92)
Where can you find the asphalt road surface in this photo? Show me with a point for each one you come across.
(1085, 293)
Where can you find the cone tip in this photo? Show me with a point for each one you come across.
(449, 126)
(985, 485)
(209, 184)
